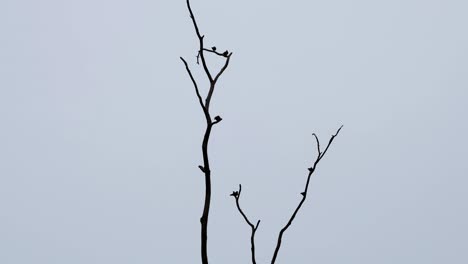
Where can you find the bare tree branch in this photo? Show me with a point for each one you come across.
(200, 39)
(228, 57)
(304, 193)
(318, 144)
(194, 84)
(205, 168)
(213, 50)
(213, 83)
(236, 195)
(330, 141)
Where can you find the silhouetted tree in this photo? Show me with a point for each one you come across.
(204, 102)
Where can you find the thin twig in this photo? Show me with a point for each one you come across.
(304, 193)
(213, 83)
(318, 144)
(200, 39)
(228, 58)
(330, 141)
(194, 84)
(224, 54)
(236, 195)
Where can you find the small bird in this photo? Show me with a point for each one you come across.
(213, 48)
(218, 118)
(225, 54)
(235, 194)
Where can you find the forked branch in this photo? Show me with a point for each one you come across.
(320, 155)
(205, 105)
(236, 195)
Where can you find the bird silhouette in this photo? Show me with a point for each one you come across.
(213, 48)
(225, 53)
(218, 118)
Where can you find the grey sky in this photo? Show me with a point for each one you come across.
(100, 131)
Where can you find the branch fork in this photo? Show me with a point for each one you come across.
(205, 105)
(236, 195)
(205, 168)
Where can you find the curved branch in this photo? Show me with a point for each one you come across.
(318, 144)
(226, 64)
(236, 195)
(210, 92)
(304, 193)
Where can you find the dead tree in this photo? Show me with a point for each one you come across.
(205, 105)
(204, 102)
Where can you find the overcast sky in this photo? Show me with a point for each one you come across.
(100, 131)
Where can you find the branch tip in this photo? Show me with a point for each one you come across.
(318, 143)
(201, 168)
(304, 193)
(256, 226)
(338, 131)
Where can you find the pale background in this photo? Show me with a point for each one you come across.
(101, 130)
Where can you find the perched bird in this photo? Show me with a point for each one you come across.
(225, 53)
(218, 118)
(235, 194)
(213, 48)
